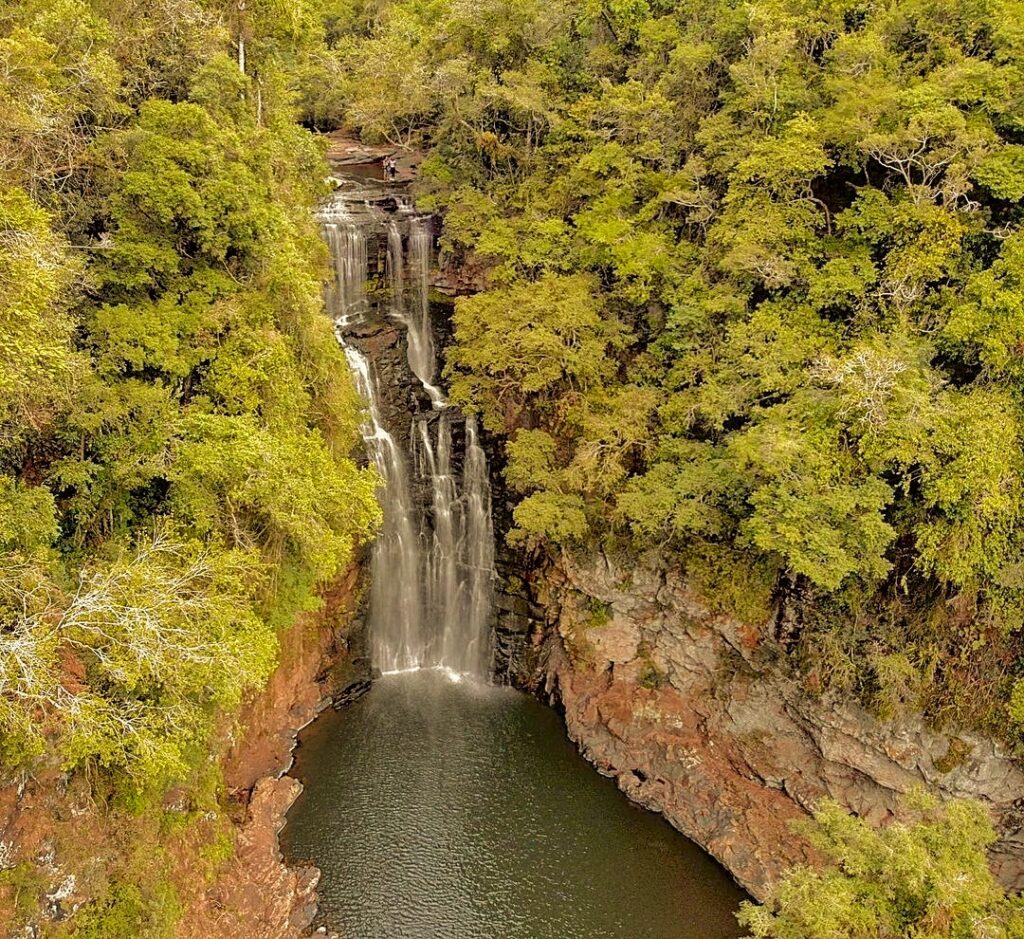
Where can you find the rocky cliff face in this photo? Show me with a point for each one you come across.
(680, 707)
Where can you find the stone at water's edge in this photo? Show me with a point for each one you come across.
(729, 751)
(351, 154)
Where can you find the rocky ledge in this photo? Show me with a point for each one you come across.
(674, 702)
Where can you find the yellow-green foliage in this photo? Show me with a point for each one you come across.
(27, 516)
(36, 360)
(928, 878)
(162, 637)
(529, 345)
(26, 884)
(752, 286)
(176, 418)
(127, 911)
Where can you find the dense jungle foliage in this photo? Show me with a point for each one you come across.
(754, 299)
(176, 420)
(176, 425)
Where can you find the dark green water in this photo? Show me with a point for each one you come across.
(450, 811)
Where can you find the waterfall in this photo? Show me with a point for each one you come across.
(421, 342)
(432, 564)
(396, 601)
(346, 297)
(476, 484)
(410, 300)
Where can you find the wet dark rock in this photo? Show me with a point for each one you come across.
(351, 694)
(513, 603)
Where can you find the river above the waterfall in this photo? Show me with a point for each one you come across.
(444, 810)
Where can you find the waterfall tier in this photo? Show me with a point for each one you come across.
(433, 560)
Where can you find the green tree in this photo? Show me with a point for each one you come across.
(37, 363)
(928, 878)
(529, 348)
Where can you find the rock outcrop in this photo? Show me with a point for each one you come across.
(256, 894)
(679, 706)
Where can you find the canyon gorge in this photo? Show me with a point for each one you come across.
(683, 707)
(511, 469)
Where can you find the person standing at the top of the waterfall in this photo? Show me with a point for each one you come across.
(391, 168)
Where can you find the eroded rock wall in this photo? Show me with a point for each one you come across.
(679, 705)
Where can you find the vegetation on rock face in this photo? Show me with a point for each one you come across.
(753, 297)
(928, 878)
(176, 419)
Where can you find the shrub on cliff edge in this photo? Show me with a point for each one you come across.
(924, 879)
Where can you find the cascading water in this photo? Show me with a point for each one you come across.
(410, 300)
(347, 295)
(479, 536)
(458, 545)
(396, 599)
(422, 358)
(433, 561)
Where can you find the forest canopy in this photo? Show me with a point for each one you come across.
(176, 420)
(750, 297)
